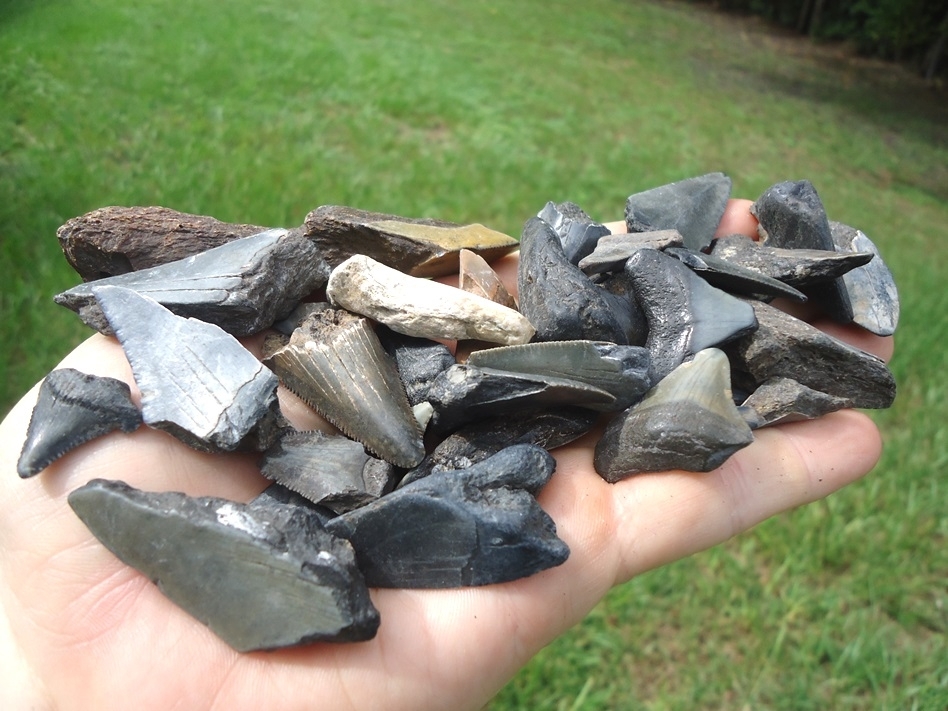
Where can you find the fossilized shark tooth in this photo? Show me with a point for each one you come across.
(423, 308)
(694, 207)
(558, 299)
(779, 400)
(577, 231)
(116, 240)
(464, 393)
(226, 564)
(197, 381)
(419, 361)
(335, 363)
(71, 409)
(419, 247)
(476, 277)
(688, 421)
(458, 528)
(612, 251)
(794, 267)
(733, 277)
(329, 470)
(277, 501)
(474, 442)
(622, 371)
(685, 314)
(242, 286)
(784, 346)
(791, 215)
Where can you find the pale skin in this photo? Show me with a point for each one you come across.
(81, 630)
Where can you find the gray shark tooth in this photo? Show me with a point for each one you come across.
(622, 371)
(779, 400)
(688, 421)
(334, 362)
(477, 441)
(457, 528)
(784, 346)
(558, 299)
(577, 231)
(685, 314)
(733, 277)
(278, 501)
(791, 215)
(612, 251)
(116, 240)
(420, 307)
(476, 277)
(256, 585)
(694, 207)
(866, 296)
(197, 381)
(330, 470)
(794, 267)
(419, 247)
(464, 393)
(242, 286)
(71, 409)
(419, 361)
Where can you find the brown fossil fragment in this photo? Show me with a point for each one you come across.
(476, 277)
(115, 240)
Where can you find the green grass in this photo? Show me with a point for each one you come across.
(259, 111)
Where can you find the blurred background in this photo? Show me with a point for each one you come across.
(257, 112)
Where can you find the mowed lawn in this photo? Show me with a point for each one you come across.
(482, 111)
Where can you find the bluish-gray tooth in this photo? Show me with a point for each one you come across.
(612, 251)
(557, 298)
(622, 371)
(694, 207)
(197, 381)
(688, 421)
(242, 286)
(794, 267)
(259, 577)
(784, 346)
(685, 314)
(791, 215)
(732, 277)
(577, 231)
(779, 400)
(458, 528)
(330, 470)
(335, 363)
(465, 393)
(71, 409)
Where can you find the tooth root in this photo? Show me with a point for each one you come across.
(335, 363)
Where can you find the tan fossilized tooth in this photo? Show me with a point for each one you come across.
(419, 307)
(334, 362)
(477, 277)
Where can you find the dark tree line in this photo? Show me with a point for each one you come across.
(913, 31)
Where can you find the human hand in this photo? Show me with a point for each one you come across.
(82, 630)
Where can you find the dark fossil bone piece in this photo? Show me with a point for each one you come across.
(784, 346)
(622, 371)
(71, 409)
(685, 314)
(197, 381)
(419, 361)
(577, 231)
(612, 251)
(558, 299)
(694, 207)
(733, 277)
(688, 421)
(115, 240)
(256, 585)
(242, 286)
(419, 247)
(794, 267)
(779, 400)
(476, 526)
(330, 470)
(335, 363)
